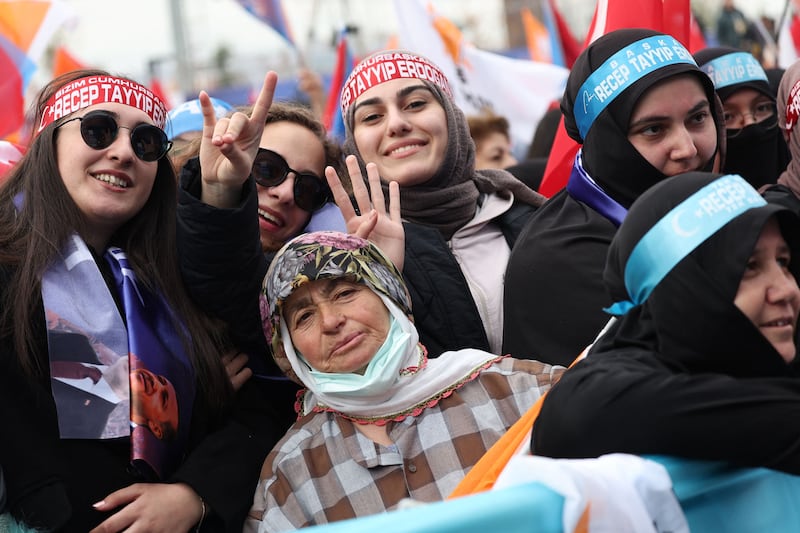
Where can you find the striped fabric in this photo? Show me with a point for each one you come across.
(325, 470)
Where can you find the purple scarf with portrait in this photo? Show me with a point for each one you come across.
(116, 376)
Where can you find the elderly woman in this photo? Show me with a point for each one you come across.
(379, 421)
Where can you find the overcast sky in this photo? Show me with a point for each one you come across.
(124, 36)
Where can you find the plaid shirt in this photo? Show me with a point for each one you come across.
(325, 470)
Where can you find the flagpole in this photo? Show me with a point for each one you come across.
(779, 25)
(185, 74)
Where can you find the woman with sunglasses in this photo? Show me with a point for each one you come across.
(756, 149)
(286, 196)
(90, 285)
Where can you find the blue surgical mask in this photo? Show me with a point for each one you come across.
(380, 374)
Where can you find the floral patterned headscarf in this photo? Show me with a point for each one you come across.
(323, 255)
(420, 383)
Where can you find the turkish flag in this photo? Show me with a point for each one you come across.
(13, 114)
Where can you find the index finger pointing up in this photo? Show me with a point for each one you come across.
(264, 100)
(209, 115)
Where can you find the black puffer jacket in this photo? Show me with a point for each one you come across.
(444, 312)
(223, 267)
(52, 483)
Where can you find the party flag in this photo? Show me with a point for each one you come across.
(520, 90)
(537, 38)
(697, 41)
(789, 37)
(26, 27)
(158, 90)
(64, 61)
(270, 12)
(13, 63)
(10, 153)
(613, 15)
(332, 117)
(570, 47)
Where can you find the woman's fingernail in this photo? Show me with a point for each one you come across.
(99, 504)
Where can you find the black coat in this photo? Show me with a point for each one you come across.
(554, 295)
(223, 268)
(684, 372)
(445, 313)
(53, 482)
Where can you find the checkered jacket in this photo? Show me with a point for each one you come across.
(325, 470)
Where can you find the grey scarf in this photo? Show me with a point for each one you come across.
(449, 199)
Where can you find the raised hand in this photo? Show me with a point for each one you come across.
(229, 146)
(383, 229)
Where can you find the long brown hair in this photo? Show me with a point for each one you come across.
(32, 236)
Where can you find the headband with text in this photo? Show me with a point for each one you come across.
(793, 107)
(90, 90)
(731, 69)
(380, 68)
(680, 231)
(622, 70)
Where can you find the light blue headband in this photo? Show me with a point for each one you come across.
(622, 70)
(731, 69)
(682, 230)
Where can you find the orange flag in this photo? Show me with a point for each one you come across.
(537, 37)
(64, 62)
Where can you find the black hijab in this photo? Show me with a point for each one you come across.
(757, 153)
(609, 158)
(689, 319)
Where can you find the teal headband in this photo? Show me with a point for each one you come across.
(622, 70)
(735, 68)
(680, 231)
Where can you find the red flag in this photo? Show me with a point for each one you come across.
(697, 41)
(158, 90)
(332, 117)
(610, 15)
(569, 45)
(10, 153)
(794, 29)
(11, 94)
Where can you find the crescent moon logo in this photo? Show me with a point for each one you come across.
(586, 97)
(678, 229)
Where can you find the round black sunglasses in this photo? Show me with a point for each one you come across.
(270, 169)
(100, 128)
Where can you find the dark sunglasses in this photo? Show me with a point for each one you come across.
(270, 170)
(99, 129)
